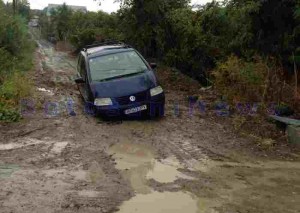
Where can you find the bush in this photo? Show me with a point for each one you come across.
(80, 39)
(6, 63)
(16, 87)
(16, 57)
(9, 115)
(239, 80)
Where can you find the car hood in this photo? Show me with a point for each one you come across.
(124, 86)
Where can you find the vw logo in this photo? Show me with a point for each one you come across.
(132, 98)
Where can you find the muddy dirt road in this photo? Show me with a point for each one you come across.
(56, 162)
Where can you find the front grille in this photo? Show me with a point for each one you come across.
(141, 96)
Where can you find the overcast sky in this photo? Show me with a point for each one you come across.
(106, 5)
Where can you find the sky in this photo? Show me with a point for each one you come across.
(106, 5)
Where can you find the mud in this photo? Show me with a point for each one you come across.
(72, 162)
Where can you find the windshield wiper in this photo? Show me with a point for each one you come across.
(121, 76)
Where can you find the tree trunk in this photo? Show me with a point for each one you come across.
(15, 6)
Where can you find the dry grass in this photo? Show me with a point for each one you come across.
(172, 79)
(15, 88)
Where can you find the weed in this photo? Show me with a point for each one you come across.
(9, 115)
(16, 87)
(240, 80)
(238, 122)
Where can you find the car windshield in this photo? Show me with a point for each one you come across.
(116, 65)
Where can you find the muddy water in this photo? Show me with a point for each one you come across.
(128, 155)
(166, 171)
(138, 165)
(139, 160)
(166, 202)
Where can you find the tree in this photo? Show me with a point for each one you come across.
(143, 22)
(14, 6)
(23, 8)
(60, 18)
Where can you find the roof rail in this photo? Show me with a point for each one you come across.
(107, 42)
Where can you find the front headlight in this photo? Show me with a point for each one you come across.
(156, 91)
(103, 102)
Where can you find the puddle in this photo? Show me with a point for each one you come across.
(137, 178)
(167, 171)
(129, 155)
(138, 165)
(134, 161)
(157, 202)
(7, 170)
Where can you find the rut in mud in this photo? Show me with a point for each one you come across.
(56, 162)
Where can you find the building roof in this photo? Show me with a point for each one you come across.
(72, 7)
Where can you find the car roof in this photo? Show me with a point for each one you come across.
(105, 49)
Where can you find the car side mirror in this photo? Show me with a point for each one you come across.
(153, 65)
(79, 80)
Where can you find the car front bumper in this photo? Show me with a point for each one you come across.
(155, 107)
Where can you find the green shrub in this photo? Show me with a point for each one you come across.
(80, 39)
(6, 63)
(240, 80)
(16, 57)
(9, 115)
(14, 88)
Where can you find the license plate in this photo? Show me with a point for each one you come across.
(136, 109)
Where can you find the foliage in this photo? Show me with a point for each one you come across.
(78, 27)
(13, 32)
(199, 41)
(24, 9)
(240, 80)
(61, 17)
(9, 115)
(6, 62)
(15, 87)
(16, 54)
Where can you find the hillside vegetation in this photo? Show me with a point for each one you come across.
(16, 59)
(249, 49)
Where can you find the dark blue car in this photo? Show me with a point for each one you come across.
(115, 80)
